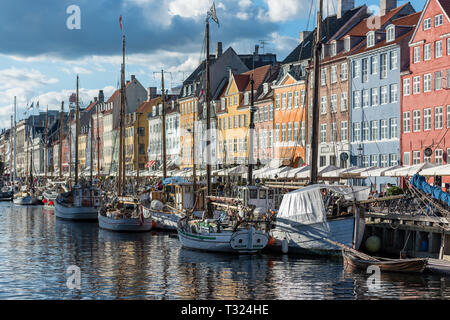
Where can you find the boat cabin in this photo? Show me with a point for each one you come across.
(260, 197)
(86, 197)
(184, 196)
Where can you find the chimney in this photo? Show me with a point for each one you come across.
(218, 50)
(151, 93)
(303, 35)
(133, 77)
(128, 81)
(101, 96)
(95, 99)
(386, 6)
(344, 6)
(256, 50)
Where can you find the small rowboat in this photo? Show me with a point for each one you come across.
(357, 260)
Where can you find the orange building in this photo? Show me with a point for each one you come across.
(290, 118)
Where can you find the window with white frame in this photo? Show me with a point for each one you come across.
(384, 66)
(333, 132)
(296, 99)
(416, 157)
(344, 71)
(344, 101)
(438, 20)
(266, 113)
(289, 100)
(427, 119)
(393, 159)
(344, 130)
(365, 98)
(271, 112)
(289, 131)
(384, 129)
(394, 129)
(416, 120)
(323, 76)
(277, 133)
(438, 156)
(374, 63)
(406, 159)
(357, 99)
(365, 70)
(390, 34)
(303, 131)
(426, 159)
(438, 80)
(370, 39)
(283, 132)
(406, 86)
(375, 131)
(283, 101)
(448, 116)
(427, 24)
(323, 133)
(394, 60)
(347, 44)
(365, 161)
(356, 69)
(356, 131)
(384, 161)
(333, 103)
(448, 46)
(427, 82)
(374, 160)
(323, 105)
(384, 95)
(333, 75)
(406, 121)
(296, 131)
(416, 85)
(427, 52)
(438, 49)
(374, 94)
(394, 93)
(438, 118)
(333, 49)
(416, 54)
(365, 131)
(302, 98)
(277, 101)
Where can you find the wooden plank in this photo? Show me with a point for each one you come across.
(406, 217)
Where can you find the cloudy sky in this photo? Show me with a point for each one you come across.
(40, 56)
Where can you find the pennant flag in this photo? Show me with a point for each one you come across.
(201, 98)
(120, 22)
(213, 14)
(37, 105)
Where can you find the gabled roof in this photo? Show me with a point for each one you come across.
(330, 26)
(444, 4)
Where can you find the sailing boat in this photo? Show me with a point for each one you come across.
(83, 201)
(123, 214)
(27, 195)
(234, 227)
(308, 217)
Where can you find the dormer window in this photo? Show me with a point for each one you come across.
(347, 44)
(390, 34)
(266, 87)
(370, 39)
(333, 49)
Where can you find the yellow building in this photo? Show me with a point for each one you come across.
(136, 139)
(233, 115)
(188, 115)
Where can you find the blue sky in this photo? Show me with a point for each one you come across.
(40, 56)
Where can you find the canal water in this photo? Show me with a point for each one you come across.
(37, 249)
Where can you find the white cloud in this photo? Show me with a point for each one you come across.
(280, 11)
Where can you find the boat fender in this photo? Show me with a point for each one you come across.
(284, 246)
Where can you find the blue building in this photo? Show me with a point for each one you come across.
(375, 90)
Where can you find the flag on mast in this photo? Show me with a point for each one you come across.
(213, 14)
(120, 22)
(37, 105)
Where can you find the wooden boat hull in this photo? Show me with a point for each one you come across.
(241, 241)
(309, 239)
(124, 225)
(353, 262)
(163, 221)
(75, 213)
(25, 201)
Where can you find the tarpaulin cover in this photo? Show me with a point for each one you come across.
(436, 192)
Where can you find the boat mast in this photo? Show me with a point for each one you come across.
(11, 150)
(92, 149)
(120, 188)
(61, 120)
(252, 129)
(77, 131)
(46, 143)
(163, 119)
(208, 113)
(15, 124)
(98, 146)
(70, 144)
(31, 157)
(315, 106)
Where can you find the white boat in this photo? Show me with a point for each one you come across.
(6, 194)
(25, 199)
(126, 216)
(82, 203)
(303, 223)
(166, 221)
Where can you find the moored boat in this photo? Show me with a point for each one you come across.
(81, 203)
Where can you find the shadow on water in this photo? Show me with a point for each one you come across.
(36, 249)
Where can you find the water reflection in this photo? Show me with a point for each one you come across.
(36, 249)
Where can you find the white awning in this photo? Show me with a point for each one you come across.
(408, 171)
(443, 170)
(338, 172)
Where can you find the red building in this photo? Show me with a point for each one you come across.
(426, 89)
